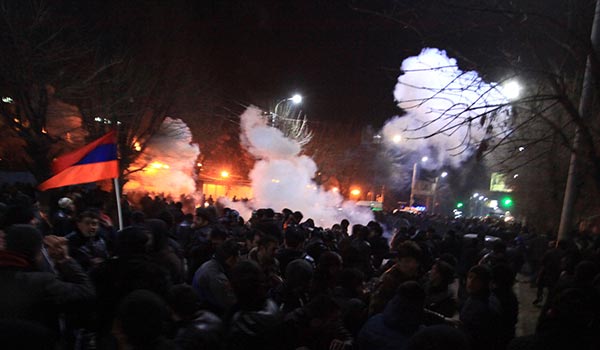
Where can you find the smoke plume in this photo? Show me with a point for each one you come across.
(282, 176)
(444, 108)
(167, 161)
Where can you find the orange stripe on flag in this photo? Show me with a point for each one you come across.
(79, 174)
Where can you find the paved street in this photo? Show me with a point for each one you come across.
(528, 313)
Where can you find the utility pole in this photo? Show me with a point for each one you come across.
(585, 110)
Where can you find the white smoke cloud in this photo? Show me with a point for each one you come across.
(169, 159)
(438, 96)
(282, 177)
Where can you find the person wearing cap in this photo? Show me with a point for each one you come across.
(62, 220)
(405, 269)
(33, 296)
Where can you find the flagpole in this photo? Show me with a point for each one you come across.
(118, 195)
(116, 179)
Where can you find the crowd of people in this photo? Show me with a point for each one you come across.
(69, 279)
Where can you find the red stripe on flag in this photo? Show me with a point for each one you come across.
(63, 162)
(79, 174)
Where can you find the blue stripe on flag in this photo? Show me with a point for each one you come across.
(102, 153)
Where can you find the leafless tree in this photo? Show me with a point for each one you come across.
(545, 45)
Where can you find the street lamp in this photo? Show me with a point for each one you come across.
(224, 174)
(511, 90)
(435, 189)
(296, 99)
(414, 180)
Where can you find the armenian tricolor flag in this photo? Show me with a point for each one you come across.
(93, 162)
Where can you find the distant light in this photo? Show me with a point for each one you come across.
(397, 139)
(486, 198)
(511, 89)
(335, 189)
(137, 146)
(515, 176)
(296, 99)
(355, 192)
(7, 99)
(275, 181)
(481, 198)
(424, 159)
(475, 194)
(460, 204)
(444, 174)
(521, 149)
(224, 174)
(199, 165)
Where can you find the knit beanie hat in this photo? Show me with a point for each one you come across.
(24, 239)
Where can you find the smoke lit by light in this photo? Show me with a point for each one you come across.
(282, 174)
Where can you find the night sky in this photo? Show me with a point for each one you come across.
(345, 63)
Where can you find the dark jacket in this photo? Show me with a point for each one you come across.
(39, 297)
(441, 301)
(249, 330)
(391, 329)
(204, 331)
(88, 251)
(117, 277)
(386, 289)
(481, 320)
(213, 287)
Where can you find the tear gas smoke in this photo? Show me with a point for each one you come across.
(167, 161)
(443, 108)
(282, 177)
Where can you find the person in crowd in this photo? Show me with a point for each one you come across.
(316, 326)
(294, 291)
(325, 277)
(203, 248)
(292, 249)
(402, 317)
(211, 280)
(438, 296)
(406, 268)
(140, 322)
(63, 220)
(266, 223)
(161, 252)
(569, 323)
(85, 243)
(33, 297)
(198, 231)
(480, 314)
(496, 256)
(255, 321)
(351, 296)
(129, 270)
(550, 269)
(379, 244)
(264, 256)
(503, 278)
(193, 328)
(358, 253)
